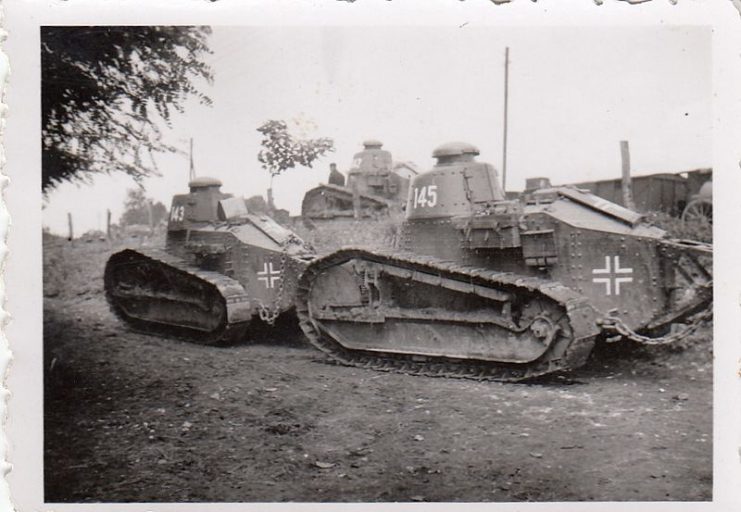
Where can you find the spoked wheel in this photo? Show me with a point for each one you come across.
(698, 211)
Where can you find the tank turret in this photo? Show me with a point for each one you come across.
(456, 185)
(199, 205)
(371, 168)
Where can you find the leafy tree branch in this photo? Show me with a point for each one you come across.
(107, 92)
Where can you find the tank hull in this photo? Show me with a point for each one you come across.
(333, 202)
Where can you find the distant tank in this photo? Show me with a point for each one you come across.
(490, 288)
(222, 267)
(375, 187)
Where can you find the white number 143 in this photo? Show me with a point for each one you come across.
(177, 214)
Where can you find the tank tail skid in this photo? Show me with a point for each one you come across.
(691, 265)
(421, 315)
(155, 292)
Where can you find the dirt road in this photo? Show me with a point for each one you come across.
(130, 417)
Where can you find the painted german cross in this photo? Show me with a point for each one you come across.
(268, 275)
(613, 274)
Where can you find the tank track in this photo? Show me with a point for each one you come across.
(230, 290)
(582, 318)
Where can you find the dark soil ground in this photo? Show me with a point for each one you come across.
(130, 417)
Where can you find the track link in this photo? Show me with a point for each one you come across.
(581, 316)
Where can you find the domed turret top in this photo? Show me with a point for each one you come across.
(204, 182)
(455, 149)
(372, 144)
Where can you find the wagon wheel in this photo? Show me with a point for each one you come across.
(698, 210)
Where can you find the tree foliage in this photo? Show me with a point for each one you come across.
(107, 91)
(136, 209)
(281, 151)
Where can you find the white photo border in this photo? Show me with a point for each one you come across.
(23, 279)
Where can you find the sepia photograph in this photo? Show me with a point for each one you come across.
(374, 263)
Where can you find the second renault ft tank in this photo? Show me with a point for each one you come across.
(375, 187)
(489, 288)
(222, 267)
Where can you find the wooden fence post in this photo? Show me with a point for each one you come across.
(108, 224)
(150, 217)
(69, 223)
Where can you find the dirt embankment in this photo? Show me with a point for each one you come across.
(130, 417)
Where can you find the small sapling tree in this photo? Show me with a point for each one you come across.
(139, 209)
(281, 151)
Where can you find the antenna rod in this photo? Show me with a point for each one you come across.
(506, 94)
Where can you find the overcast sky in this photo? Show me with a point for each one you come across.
(574, 94)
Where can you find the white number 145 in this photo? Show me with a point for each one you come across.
(425, 196)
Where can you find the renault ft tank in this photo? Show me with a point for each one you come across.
(373, 189)
(221, 268)
(489, 288)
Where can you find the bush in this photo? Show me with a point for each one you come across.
(700, 231)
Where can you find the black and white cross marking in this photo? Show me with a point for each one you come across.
(268, 275)
(614, 275)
